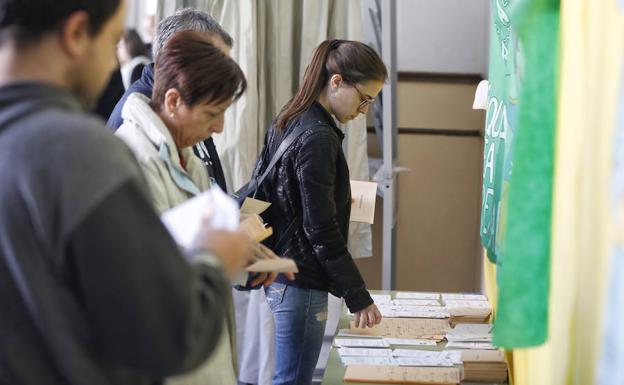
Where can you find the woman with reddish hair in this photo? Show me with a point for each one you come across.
(194, 84)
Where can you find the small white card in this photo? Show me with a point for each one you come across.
(409, 342)
(361, 342)
(377, 361)
(470, 345)
(416, 295)
(381, 298)
(363, 195)
(365, 352)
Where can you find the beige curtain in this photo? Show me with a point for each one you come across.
(273, 41)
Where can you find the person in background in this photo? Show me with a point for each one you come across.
(310, 200)
(185, 19)
(93, 289)
(133, 57)
(111, 94)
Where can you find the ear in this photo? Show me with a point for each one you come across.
(335, 82)
(74, 34)
(172, 101)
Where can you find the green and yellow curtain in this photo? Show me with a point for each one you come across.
(562, 216)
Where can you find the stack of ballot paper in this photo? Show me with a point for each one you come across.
(412, 311)
(467, 308)
(405, 346)
(470, 336)
(414, 328)
(375, 342)
(486, 366)
(470, 333)
(403, 375)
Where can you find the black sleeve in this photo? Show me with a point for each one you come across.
(149, 308)
(316, 168)
(137, 71)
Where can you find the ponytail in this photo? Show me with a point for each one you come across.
(314, 80)
(355, 61)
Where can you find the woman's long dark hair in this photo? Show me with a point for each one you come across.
(355, 61)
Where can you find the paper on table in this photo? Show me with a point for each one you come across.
(417, 295)
(210, 208)
(465, 297)
(402, 374)
(355, 360)
(429, 358)
(418, 328)
(280, 265)
(413, 311)
(361, 342)
(348, 333)
(365, 352)
(363, 205)
(474, 355)
(416, 302)
(409, 342)
(470, 345)
(381, 298)
(254, 206)
(470, 332)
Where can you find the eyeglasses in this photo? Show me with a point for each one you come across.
(365, 99)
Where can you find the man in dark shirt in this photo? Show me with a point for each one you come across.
(186, 19)
(93, 289)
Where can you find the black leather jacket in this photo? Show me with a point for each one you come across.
(311, 202)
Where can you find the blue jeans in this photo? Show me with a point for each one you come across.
(300, 316)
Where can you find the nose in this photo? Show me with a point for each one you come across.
(217, 126)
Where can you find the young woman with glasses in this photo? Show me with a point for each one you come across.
(311, 201)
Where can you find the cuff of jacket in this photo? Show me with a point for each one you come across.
(359, 300)
(204, 256)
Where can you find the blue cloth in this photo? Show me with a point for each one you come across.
(143, 86)
(300, 316)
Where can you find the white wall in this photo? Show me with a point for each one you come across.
(440, 36)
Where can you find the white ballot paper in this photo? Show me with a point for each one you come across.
(416, 295)
(210, 208)
(363, 205)
(415, 302)
(470, 345)
(381, 298)
(357, 360)
(470, 333)
(410, 342)
(365, 352)
(361, 342)
(409, 357)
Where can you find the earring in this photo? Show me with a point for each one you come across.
(172, 115)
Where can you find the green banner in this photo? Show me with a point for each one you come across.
(524, 275)
(504, 84)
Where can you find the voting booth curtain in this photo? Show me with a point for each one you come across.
(273, 42)
(582, 341)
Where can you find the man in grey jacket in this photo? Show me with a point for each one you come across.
(93, 290)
